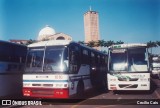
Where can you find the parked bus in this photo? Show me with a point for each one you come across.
(12, 59)
(128, 67)
(63, 69)
(155, 64)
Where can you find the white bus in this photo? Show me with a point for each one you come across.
(62, 69)
(128, 67)
(12, 59)
(155, 64)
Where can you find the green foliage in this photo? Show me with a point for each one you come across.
(102, 43)
(151, 44)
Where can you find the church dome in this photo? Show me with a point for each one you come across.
(46, 32)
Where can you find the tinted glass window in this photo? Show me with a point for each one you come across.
(54, 60)
(118, 61)
(49, 59)
(34, 60)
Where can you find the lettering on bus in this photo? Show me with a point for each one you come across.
(41, 76)
(58, 77)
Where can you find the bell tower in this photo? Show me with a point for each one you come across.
(91, 26)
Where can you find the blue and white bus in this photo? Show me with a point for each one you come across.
(12, 59)
(128, 67)
(63, 69)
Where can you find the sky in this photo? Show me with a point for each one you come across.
(133, 21)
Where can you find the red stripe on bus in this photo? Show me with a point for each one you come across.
(46, 92)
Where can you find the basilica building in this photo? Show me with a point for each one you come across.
(48, 33)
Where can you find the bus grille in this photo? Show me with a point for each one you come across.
(125, 79)
(42, 92)
(128, 85)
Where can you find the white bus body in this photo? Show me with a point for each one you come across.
(128, 67)
(156, 66)
(62, 69)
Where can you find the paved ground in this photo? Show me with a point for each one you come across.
(108, 100)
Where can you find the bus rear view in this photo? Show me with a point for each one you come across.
(128, 67)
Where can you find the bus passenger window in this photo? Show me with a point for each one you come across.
(74, 59)
(20, 59)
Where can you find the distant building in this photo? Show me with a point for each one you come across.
(18, 41)
(48, 33)
(91, 26)
(60, 36)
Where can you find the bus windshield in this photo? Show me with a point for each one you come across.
(118, 60)
(128, 60)
(49, 59)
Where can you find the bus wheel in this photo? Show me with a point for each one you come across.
(80, 90)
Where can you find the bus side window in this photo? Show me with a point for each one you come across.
(93, 60)
(74, 59)
(85, 56)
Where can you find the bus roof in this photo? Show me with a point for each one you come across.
(59, 42)
(11, 43)
(50, 43)
(131, 45)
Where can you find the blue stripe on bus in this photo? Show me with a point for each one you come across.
(45, 80)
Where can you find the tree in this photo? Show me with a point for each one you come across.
(108, 43)
(119, 42)
(100, 43)
(91, 43)
(158, 43)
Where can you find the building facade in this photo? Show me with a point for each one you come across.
(60, 36)
(18, 41)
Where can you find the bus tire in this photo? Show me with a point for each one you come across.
(80, 89)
